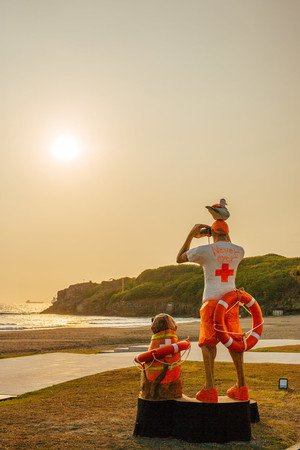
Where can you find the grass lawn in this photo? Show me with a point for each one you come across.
(284, 349)
(99, 411)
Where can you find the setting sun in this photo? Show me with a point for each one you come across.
(65, 147)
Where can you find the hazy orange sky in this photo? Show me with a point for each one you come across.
(173, 105)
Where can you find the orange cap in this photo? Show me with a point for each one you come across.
(220, 227)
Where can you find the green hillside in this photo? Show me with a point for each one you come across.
(178, 290)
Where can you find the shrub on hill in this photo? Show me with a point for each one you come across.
(178, 290)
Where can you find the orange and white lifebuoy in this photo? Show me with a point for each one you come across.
(235, 343)
(161, 352)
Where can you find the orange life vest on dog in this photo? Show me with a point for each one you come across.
(154, 368)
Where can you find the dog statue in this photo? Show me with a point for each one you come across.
(162, 379)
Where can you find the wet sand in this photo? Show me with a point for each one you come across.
(85, 339)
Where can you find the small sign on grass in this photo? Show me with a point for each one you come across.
(283, 383)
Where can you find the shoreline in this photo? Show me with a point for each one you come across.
(117, 322)
(105, 338)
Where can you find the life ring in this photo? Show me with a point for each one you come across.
(224, 305)
(160, 352)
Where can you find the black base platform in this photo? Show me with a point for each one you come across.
(193, 421)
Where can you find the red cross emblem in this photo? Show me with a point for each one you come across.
(224, 273)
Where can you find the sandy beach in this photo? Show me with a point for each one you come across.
(74, 339)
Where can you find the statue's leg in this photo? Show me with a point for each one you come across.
(238, 360)
(208, 342)
(209, 354)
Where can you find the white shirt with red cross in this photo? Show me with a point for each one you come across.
(219, 261)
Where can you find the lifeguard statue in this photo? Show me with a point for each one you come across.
(220, 261)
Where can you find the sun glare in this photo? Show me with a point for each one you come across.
(65, 147)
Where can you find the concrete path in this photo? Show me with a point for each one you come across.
(31, 373)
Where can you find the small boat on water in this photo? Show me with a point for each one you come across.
(29, 301)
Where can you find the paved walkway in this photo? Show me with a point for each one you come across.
(31, 373)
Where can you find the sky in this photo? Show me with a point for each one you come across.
(167, 107)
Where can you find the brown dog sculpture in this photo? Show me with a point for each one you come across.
(162, 379)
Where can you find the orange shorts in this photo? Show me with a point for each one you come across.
(208, 336)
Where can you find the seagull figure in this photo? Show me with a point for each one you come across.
(219, 210)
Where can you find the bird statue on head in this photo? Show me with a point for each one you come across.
(219, 210)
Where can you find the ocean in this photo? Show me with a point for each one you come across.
(26, 316)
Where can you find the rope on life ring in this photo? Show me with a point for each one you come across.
(161, 352)
(225, 304)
